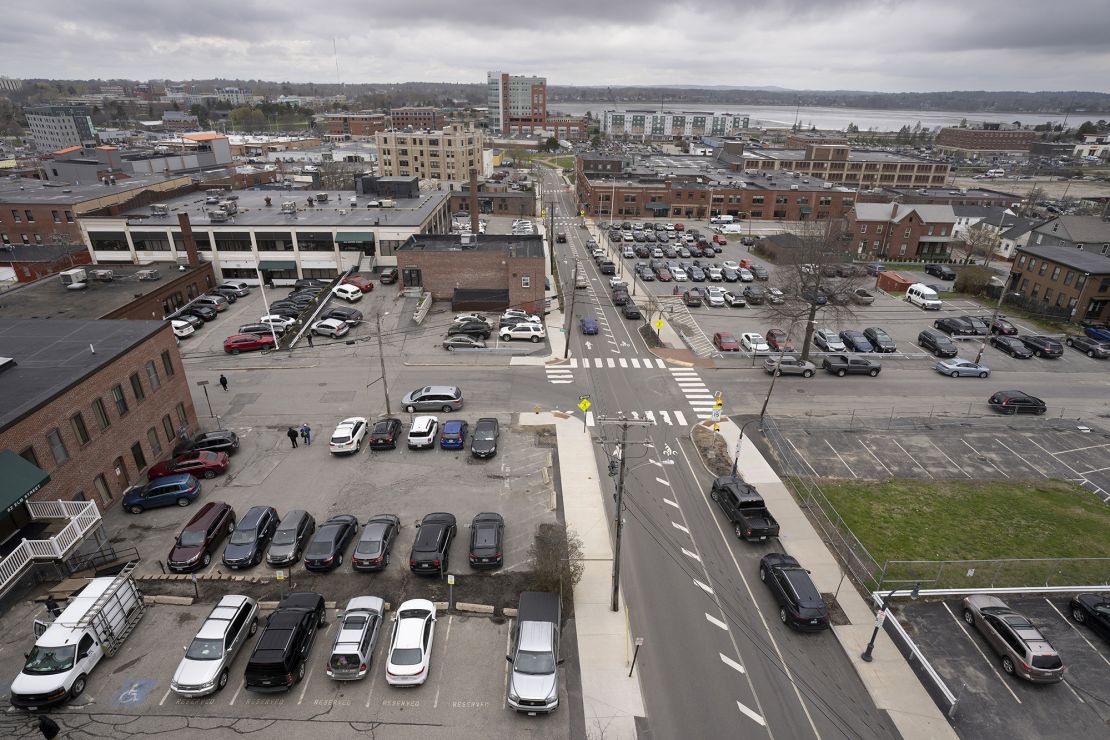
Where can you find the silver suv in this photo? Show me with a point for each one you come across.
(204, 669)
(1024, 650)
(445, 398)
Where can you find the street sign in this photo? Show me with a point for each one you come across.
(450, 579)
(659, 324)
(584, 404)
(715, 415)
(280, 575)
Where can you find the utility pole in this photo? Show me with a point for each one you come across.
(381, 357)
(994, 313)
(570, 314)
(619, 523)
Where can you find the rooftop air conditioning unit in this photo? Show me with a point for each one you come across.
(827, 185)
(147, 275)
(183, 259)
(102, 274)
(793, 187)
(159, 209)
(218, 214)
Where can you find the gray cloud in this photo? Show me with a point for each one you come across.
(886, 45)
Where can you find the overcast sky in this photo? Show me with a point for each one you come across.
(884, 45)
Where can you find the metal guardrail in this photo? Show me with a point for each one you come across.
(945, 699)
(84, 516)
(968, 575)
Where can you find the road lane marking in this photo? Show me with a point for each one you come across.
(841, 459)
(680, 528)
(702, 586)
(693, 555)
(963, 626)
(949, 459)
(635, 363)
(1021, 457)
(1000, 470)
(667, 418)
(649, 416)
(713, 620)
(609, 362)
(752, 714)
(724, 658)
(672, 503)
(590, 418)
(664, 482)
(679, 419)
(597, 362)
(1072, 625)
(660, 364)
(915, 462)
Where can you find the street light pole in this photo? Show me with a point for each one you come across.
(740, 441)
(880, 615)
(570, 314)
(994, 313)
(381, 358)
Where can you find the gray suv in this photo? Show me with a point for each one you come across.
(445, 398)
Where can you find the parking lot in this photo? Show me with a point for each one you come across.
(993, 704)
(1002, 450)
(464, 696)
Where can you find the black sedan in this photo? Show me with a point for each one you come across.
(343, 313)
(1016, 402)
(855, 341)
(251, 536)
(954, 325)
(325, 551)
(376, 542)
(999, 325)
(431, 549)
(1090, 346)
(202, 312)
(484, 442)
(1092, 610)
(978, 327)
(800, 603)
(487, 531)
(1012, 346)
(289, 312)
(223, 440)
(385, 434)
(471, 328)
(1042, 346)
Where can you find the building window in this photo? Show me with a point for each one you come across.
(69, 217)
(1032, 263)
(1068, 276)
(121, 402)
(1080, 281)
(1047, 295)
(15, 215)
(863, 228)
(181, 417)
(57, 446)
(526, 281)
(152, 376)
(57, 217)
(878, 228)
(79, 429)
(30, 456)
(1055, 273)
(1044, 268)
(137, 387)
(101, 414)
(155, 445)
(907, 233)
(101, 487)
(1024, 285)
(137, 453)
(167, 427)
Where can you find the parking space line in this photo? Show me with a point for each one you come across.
(1022, 458)
(164, 697)
(802, 457)
(307, 681)
(841, 459)
(762, 722)
(872, 453)
(508, 649)
(949, 459)
(1081, 449)
(1069, 467)
(660, 480)
(1096, 470)
(443, 660)
(1000, 470)
(692, 555)
(713, 620)
(915, 462)
(672, 503)
(1081, 635)
(729, 661)
(963, 627)
(680, 528)
(236, 694)
(702, 586)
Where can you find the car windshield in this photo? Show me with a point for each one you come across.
(285, 537)
(484, 432)
(534, 663)
(406, 656)
(191, 538)
(244, 536)
(344, 662)
(340, 439)
(205, 649)
(45, 660)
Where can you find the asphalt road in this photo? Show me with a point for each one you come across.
(712, 638)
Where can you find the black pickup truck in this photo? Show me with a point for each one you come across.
(745, 508)
(278, 660)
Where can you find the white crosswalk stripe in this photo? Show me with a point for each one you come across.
(660, 417)
(559, 374)
(631, 363)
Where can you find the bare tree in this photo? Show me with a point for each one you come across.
(816, 278)
(981, 241)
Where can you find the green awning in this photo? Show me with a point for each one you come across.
(355, 236)
(658, 206)
(18, 480)
(277, 265)
(803, 209)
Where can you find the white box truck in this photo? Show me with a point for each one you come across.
(92, 626)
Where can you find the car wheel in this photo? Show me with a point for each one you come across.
(841, 373)
(954, 374)
(300, 672)
(323, 621)
(782, 614)
(874, 372)
(969, 617)
(449, 348)
(446, 409)
(78, 687)
(1041, 412)
(762, 574)
(234, 351)
(1038, 353)
(230, 527)
(1079, 615)
(1090, 354)
(136, 509)
(410, 409)
(983, 374)
(714, 495)
(535, 339)
(807, 374)
(1008, 665)
(183, 502)
(778, 373)
(1068, 342)
(209, 474)
(207, 559)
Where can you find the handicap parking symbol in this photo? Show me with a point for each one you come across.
(135, 692)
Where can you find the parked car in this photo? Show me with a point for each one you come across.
(279, 657)
(775, 296)
(760, 272)
(800, 603)
(1042, 346)
(754, 294)
(789, 365)
(487, 531)
(1016, 402)
(353, 649)
(1012, 346)
(410, 647)
(1090, 346)
(204, 313)
(262, 329)
(207, 663)
(346, 314)
(828, 340)
(954, 326)
(326, 549)
(388, 275)
(240, 288)
(194, 321)
(484, 442)
(1024, 650)
(372, 552)
(999, 325)
(754, 342)
(453, 435)
(251, 536)
(228, 294)
(725, 342)
(290, 538)
(202, 464)
(1100, 332)
(978, 327)
(810, 295)
(631, 311)
(957, 368)
(216, 302)
(431, 549)
(385, 433)
(445, 398)
(348, 435)
(855, 341)
(880, 340)
(422, 433)
(192, 550)
(277, 320)
(744, 508)
(171, 490)
(531, 332)
(777, 339)
(333, 328)
(862, 297)
(1092, 610)
(361, 282)
(842, 365)
(181, 329)
(938, 343)
(237, 343)
(462, 341)
(221, 440)
(944, 272)
(875, 268)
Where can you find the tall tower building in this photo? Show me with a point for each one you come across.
(516, 103)
(57, 127)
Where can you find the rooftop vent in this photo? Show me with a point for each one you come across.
(147, 275)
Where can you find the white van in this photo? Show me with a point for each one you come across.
(923, 296)
(996, 173)
(721, 220)
(350, 293)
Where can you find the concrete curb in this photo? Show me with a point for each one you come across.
(463, 606)
(509, 612)
(172, 600)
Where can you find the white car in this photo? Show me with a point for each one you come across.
(679, 275)
(422, 433)
(828, 340)
(715, 274)
(516, 313)
(181, 329)
(714, 296)
(410, 648)
(731, 264)
(283, 321)
(464, 317)
(774, 295)
(353, 649)
(753, 342)
(347, 437)
(333, 328)
(616, 282)
(628, 253)
(204, 669)
(746, 275)
(531, 332)
(669, 227)
(735, 300)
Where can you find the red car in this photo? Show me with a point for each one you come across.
(663, 275)
(718, 239)
(359, 281)
(725, 342)
(237, 343)
(776, 340)
(679, 227)
(201, 464)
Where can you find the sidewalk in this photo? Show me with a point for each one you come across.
(610, 699)
(891, 682)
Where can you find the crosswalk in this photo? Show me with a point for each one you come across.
(661, 417)
(699, 397)
(614, 363)
(559, 374)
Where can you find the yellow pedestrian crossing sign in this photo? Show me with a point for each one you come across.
(585, 404)
(659, 324)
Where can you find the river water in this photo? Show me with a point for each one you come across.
(837, 119)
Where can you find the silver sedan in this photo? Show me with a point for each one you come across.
(957, 368)
(789, 365)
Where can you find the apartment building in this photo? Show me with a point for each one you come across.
(361, 124)
(661, 125)
(897, 231)
(1073, 283)
(516, 103)
(417, 117)
(984, 142)
(446, 154)
(55, 127)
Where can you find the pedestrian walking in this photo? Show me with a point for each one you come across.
(52, 607)
(309, 336)
(306, 433)
(292, 435)
(48, 727)
(223, 383)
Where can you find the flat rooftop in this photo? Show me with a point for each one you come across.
(968, 192)
(518, 246)
(49, 299)
(25, 190)
(253, 211)
(53, 356)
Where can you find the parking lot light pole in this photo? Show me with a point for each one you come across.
(740, 441)
(994, 314)
(880, 615)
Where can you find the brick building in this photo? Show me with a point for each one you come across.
(862, 168)
(494, 202)
(897, 231)
(1073, 283)
(516, 103)
(417, 117)
(943, 196)
(447, 154)
(984, 142)
(488, 271)
(25, 264)
(91, 403)
(363, 124)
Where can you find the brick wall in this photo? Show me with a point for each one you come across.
(47, 222)
(174, 291)
(442, 272)
(98, 456)
(894, 235)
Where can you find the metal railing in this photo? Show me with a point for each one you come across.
(84, 516)
(945, 699)
(936, 415)
(1012, 573)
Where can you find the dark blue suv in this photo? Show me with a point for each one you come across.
(168, 490)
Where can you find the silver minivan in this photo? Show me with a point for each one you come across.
(237, 286)
(216, 302)
(445, 398)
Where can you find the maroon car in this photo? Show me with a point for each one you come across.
(202, 464)
(194, 546)
(725, 342)
(237, 343)
(776, 339)
(359, 281)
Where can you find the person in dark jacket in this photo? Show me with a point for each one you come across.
(292, 435)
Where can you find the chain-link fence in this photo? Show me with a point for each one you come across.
(940, 416)
(969, 574)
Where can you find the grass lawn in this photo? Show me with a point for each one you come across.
(972, 520)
